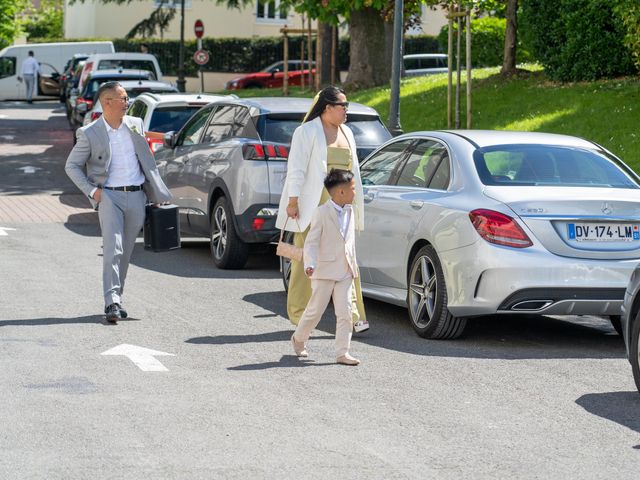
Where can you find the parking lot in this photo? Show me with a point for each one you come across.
(221, 394)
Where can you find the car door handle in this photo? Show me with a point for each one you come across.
(417, 204)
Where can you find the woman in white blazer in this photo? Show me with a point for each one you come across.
(322, 142)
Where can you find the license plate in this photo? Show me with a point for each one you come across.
(604, 232)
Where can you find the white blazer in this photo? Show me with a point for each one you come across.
(306, 169)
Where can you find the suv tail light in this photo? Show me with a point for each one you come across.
(498, 228)
(265, 151)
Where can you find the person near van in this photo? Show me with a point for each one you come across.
(30, 70)
(321, 143)
(330, 262)
(121, 174)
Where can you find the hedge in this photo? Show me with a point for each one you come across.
(242, 54)
(487, 42)
(578, 39)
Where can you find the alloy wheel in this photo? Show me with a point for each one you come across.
(423, 291)
(219, 234)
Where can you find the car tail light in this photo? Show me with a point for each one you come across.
(498, 228)
(265, 151)
(89, 102)
(95, 115)
(258, 223)
(154, 144)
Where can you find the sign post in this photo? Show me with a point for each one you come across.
(201, 57)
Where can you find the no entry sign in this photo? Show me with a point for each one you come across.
(198, 28)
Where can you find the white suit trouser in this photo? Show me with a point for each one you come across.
(121, 218)
(322, 291)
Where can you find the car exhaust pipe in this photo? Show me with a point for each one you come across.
(531, 305)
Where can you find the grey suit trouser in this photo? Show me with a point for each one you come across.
(29, 81)
(121, 218)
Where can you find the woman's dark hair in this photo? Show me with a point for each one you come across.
(337, 177)
(327, 96)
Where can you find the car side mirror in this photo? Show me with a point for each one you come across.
(273, 74)
(169, 140)
(82, 108)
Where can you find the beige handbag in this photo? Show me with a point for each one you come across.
(288, 250)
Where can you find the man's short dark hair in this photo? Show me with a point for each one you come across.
(337, 177)
(107, 87)
(31, 53)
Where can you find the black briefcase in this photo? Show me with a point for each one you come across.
(161, 228)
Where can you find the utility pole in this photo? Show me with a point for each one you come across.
(181, 82)
(396, 68)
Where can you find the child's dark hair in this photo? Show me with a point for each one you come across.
(337, 177)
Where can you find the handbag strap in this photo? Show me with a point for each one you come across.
(284, 227)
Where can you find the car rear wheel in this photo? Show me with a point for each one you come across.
(616, 323)
(427, 298)
(634, 350)
(228, 251)
(285, 263)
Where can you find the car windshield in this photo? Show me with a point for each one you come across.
(166, 119)
(526, 165)
(367, 129)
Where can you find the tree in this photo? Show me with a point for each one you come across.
(46, 21)
(8, 24)
(158, 20)
(510, 39)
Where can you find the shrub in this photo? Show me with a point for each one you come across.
(577, 39)
(487, 42)
(629, 11)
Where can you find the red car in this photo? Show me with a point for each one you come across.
(272, 76)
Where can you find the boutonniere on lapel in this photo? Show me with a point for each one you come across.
(135, 130)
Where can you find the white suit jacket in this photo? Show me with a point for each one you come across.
(306, 169)
(332, 256)
(88, 163)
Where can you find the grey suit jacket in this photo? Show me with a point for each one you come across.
(88, 163)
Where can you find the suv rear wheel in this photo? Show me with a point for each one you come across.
(634, 350)
(228, 251)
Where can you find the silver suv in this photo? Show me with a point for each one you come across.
(227, 165)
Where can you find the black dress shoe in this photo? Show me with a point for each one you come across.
(123, 312)
(113, 313)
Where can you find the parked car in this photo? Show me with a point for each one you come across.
(69, 69)
(226, 168)
(84, 100)
(133, 89)
(72, 92)
(272, 76)
(168, 112)
(121, 61)
(50, 55)
(630, 326)
(424, 64)
(461, 224)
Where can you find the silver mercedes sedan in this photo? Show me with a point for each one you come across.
(469, 223)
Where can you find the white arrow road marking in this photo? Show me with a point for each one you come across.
(4, 230)
(29, 169)
(7, 137)
(142, 357)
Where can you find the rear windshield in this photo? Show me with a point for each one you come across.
(128, 64)
(167, 119)
(92, 87)
(526, 165)
(367, 130)
(134, 92)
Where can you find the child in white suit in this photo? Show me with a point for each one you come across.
(330, 262)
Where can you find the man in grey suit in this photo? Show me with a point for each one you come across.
(112, 164)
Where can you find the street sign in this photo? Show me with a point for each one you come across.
(201, 57)
(198, 28)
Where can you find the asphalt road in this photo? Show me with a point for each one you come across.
(525, 398)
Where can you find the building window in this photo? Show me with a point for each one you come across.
(271, 11)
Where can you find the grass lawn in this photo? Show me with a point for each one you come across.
(606, 111)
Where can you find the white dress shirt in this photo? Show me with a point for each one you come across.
(30, 66)
(344, 216)
(124, 169)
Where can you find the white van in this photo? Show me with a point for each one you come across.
(123, 60)
(52, 58)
